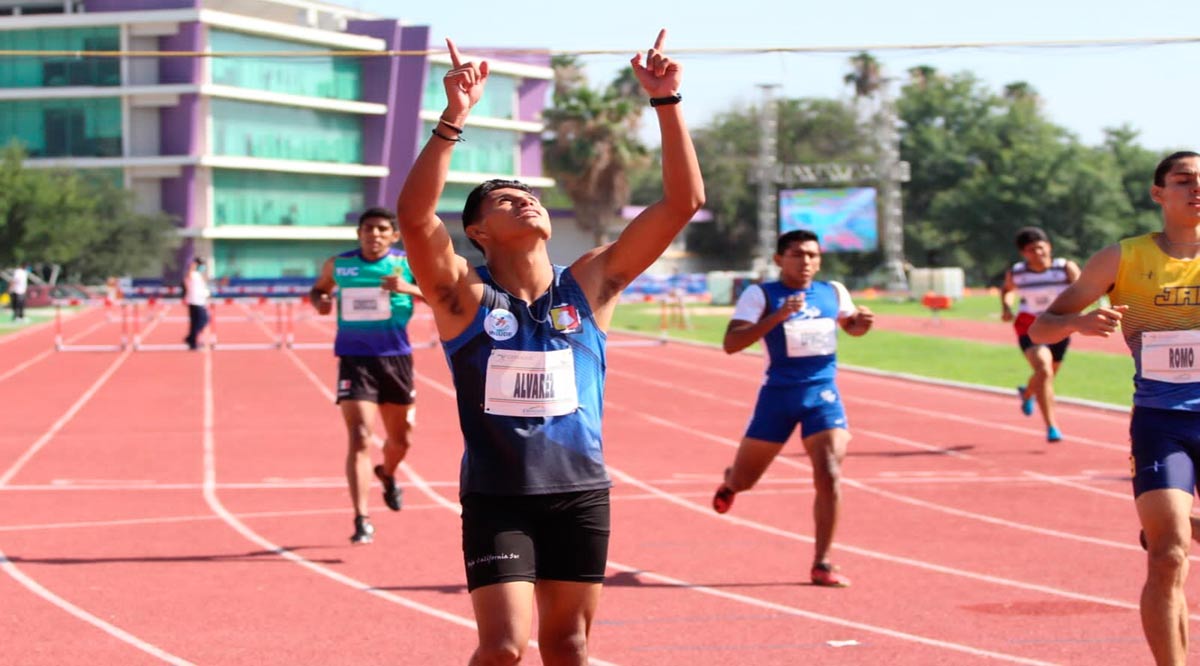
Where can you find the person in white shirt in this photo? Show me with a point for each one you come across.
(17, 287)
(195, 294)
(1036, 282)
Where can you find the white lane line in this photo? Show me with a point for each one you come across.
(241, 528)
(961, 390)
(29, 330)
(1069, 483)
(898, 440)
(829, 619)
(865, 552)
(110, 629)
(38, 589)
(214, 503)
(791, 610)
(46, 354)
(62, 421)
(850, 398)
(425, 488)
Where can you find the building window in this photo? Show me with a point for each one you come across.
(246, 129)
(284, 199)
(60, 70)
(274, 258)
(486, 150)
(498, 101)
(332, 77)
(63, 127)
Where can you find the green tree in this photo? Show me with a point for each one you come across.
(45, 216)
(1135, 165)
(591, 144)
(866, 76)
(86, 224)
(984, 165)
(808, 131)
(127, 242)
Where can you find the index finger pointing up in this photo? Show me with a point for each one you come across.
(658, 43)
(454, 59)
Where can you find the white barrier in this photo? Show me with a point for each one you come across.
(122, 318)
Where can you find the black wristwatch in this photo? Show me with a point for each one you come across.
(663, 101)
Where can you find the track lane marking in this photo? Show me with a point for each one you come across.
(754, 601)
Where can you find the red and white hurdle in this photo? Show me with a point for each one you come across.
(123, 318)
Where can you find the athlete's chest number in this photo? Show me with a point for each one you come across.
(530, 383)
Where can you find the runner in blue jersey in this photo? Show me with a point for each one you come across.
(525, 343)
(797, 319)
(375, 293)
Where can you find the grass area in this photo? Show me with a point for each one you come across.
(979, 307)
(1086, 375)
(32, 316)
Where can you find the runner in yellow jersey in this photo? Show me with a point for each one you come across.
(1153, 283)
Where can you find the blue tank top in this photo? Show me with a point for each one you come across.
(530, 387)
(371, 321)
(803, 349)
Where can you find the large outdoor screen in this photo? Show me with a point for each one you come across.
(843, 218)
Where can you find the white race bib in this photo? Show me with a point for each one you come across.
(530, 383)
(1171, 356)
(810, 337)
(1039, 299)
(366, 304)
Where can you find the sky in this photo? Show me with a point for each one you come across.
(1154, 89)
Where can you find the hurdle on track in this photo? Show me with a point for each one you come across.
(210, 338)
(276, 343)
(122, 317)
(289, 335)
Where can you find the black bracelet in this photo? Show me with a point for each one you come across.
(664, 101)
(456, 128)
(456, 139)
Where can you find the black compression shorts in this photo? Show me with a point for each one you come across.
(376, 379)
(561, 536)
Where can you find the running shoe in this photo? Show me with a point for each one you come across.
(1026, 403)
(393, 495)
(827, 575)
(723, 499)
(1053, 435)
(364, 531)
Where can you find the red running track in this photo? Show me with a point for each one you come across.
(189, 508)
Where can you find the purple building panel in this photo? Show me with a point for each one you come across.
(531, 102)
(391, 139)
(181, 129)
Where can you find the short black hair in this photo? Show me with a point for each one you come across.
(379, 211)
(794, 236)
(1164, 167)
(198, 260)
(470, 214)
(1029, 236)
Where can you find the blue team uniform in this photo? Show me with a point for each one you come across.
(799, 386)
(530, 384)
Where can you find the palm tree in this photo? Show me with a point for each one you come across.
(1021, 91)
(867, 76)
(591, 143)
(922, 76)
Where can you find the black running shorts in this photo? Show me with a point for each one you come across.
(561, 536)
(377, 379)
(1058, 350)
